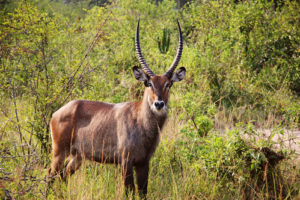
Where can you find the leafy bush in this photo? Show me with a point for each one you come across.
(238, 159)
(242, 62)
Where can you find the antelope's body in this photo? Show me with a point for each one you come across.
(105, 132)
(125, 133)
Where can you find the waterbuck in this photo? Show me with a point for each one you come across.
(124, 133)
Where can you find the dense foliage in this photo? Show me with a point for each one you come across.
(243, 66)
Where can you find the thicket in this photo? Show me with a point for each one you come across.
(242, 61)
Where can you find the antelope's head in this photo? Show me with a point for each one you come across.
(158, 86)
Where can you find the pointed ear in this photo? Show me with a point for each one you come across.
(178, 75)
(140, 75)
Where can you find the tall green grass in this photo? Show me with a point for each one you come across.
(242, 62)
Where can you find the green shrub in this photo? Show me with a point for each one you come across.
(240, 158)
(242, 62)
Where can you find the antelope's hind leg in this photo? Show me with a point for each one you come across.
(57, 165)
(59, 153)
(73, 165)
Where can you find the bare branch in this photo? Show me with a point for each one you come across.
(16, 113)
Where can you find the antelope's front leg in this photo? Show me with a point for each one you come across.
(127, 173)
(142, 172)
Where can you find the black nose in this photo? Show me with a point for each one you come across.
(159, 105)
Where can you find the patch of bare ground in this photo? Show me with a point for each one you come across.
(277, 139)
(280, 139)
(290, 139)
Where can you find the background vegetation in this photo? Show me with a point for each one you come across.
(243, 76)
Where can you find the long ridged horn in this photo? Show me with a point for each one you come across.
(178, 55)
(139, 52)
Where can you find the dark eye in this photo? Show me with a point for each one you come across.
(167, 85)
(150, 85)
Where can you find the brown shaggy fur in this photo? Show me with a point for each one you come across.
(125, 133)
